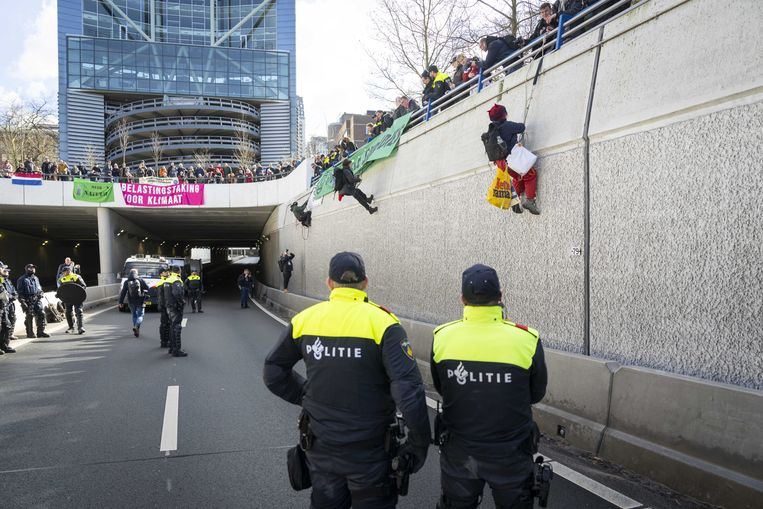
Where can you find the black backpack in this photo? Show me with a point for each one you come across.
(495, 146)
(133, 289)
(338, 179)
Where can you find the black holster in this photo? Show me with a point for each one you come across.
(296, 459)
(441, 433)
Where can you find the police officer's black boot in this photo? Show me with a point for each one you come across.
(29, 330)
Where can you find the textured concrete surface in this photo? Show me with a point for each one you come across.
(676, 247)
(676, 225)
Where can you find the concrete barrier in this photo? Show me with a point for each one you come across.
(698, 437)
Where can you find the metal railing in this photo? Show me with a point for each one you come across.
(569, 26)
(203, 122)
(115, 112)
(175, 143)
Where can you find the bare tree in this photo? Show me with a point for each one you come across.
(26, 131)
(516, 17)
(202, 158)
(157, 149)
(123, 134)
(244, 154)
(411, 35)
(91, 157)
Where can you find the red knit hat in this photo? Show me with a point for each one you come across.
(497, 112)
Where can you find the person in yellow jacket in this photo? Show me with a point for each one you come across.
(441, 83)
(360, 368)
(489, 371)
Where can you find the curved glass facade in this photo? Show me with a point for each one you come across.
(185, 70)
(138, 66)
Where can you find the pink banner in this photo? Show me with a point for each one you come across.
(147, 195)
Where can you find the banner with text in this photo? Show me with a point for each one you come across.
(147, 195)
(379, 148)
(98, 192)
(159, 181)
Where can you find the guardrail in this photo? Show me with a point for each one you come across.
(167, 144)
(204, 122)
(569, 26)
(115, 112)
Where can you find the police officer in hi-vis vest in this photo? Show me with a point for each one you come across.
(195, 288)
(489, 372)
(359, 367)
(164, 319)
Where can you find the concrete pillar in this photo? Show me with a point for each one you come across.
(106, 276)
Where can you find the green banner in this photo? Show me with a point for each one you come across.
(379, 148)
(100, 192)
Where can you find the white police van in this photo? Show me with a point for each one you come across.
(149, 268)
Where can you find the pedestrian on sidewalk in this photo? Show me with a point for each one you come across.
(245, 285)
(135, 290)
(5, 304)
(287, 267)
(72, 298)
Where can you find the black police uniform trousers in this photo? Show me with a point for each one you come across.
(11, 310)
(5, 326)
(72, 310)
(463, 479)
(164, 327)
(34, 311)
(175, 315)
(350, 476)
(286, 278)
(195, 297)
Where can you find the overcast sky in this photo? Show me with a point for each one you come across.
(332, 68)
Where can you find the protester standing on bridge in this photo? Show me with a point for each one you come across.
(245, 285)
(6, 303)
(174, 302)
(13, 297)
(135, 290)
(359, 368)
(489, 372)
(30, 297)
(60, 270)
(345, 182)
(287, 267)
(195, 288)
(164, 319)
(72, 308)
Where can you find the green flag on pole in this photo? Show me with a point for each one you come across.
(379, 148)
(99, 192)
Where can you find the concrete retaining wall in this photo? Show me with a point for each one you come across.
(700, 438)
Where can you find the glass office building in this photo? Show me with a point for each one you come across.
(177, 80)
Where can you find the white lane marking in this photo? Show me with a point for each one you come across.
(274, 317)
(595, 487)
(588, 484)
(17, 343)
(170, 426)
(184, 322)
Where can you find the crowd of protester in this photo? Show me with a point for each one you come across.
(193, 173)
(437, 84)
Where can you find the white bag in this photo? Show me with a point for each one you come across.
(521, 160)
